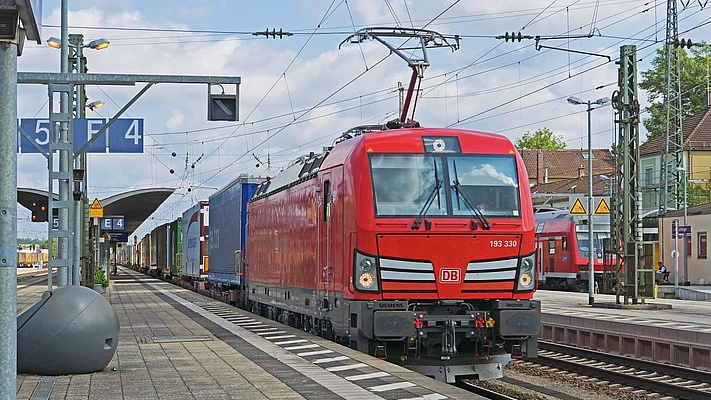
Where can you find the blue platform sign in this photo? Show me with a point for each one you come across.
(118, 237)
(112, 224)
(125, 135)
(684, 229)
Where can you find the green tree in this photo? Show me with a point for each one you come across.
(697, 193)
(693, 70)
(540, 139)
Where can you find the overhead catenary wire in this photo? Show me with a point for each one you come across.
(460, 79)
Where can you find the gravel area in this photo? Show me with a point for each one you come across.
(572, 386)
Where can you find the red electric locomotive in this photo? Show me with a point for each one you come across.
(415, 245)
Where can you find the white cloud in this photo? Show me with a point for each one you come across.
(175, 121)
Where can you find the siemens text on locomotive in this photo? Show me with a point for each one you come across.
(415, 245)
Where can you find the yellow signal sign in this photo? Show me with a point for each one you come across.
(96, 210)
(578, 208)
(602, 207)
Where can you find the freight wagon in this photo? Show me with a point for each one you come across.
(228, 211)
(196, 222)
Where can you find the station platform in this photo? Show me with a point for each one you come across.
(176, 344)
(667, 330)
(696, 293)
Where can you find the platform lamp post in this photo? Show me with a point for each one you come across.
(591, 248)
(675, 232)
(682, 170)
(81, 225)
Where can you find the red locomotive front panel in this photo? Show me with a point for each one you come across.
(446, 267)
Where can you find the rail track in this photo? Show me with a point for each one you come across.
(597, 374)
(31, 279)
(665, 379)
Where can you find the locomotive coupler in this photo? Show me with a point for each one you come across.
(449, 339)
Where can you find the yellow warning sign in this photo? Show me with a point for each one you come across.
(578, 208)
(96, 210)
(602, 207)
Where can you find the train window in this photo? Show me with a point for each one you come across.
(326, 200)
(491, 182)
(583, 243)
(551, 246)
(403, 184)
(564, 243)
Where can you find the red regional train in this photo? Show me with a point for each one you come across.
(563, 243)
(415, 245)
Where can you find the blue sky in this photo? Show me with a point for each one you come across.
(299, 93)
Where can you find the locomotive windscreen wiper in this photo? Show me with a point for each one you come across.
(430, 199)
(457, 187)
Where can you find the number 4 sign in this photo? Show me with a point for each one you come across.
(112, 224)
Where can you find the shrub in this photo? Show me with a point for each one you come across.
(100, 277)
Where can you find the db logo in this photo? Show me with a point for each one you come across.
(450, 275)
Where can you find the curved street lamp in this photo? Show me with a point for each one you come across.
(591, 249)
(76, 43)
(97, 44)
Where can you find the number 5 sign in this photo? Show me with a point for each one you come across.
(125, 135)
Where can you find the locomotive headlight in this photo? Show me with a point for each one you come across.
(525, 279)
(365, 273)
(366, 280)
(527, 264)
(526, 274)
(366, 264)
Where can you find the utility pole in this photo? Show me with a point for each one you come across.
(76, 58)
(671, 177)
(12, 38)
(61, 144)
(627, 231)
(8, 217)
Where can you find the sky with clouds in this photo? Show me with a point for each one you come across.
(299, 92)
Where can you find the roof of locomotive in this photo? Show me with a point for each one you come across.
(378, 138)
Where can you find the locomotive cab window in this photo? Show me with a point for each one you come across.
(403, 184)
(490, 182)
(427, 185)
(584, 242)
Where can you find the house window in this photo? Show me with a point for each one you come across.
(702, 244)
(648, 176)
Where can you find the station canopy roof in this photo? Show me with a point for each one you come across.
(135, 205)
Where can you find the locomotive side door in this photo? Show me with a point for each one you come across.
(325, 256)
